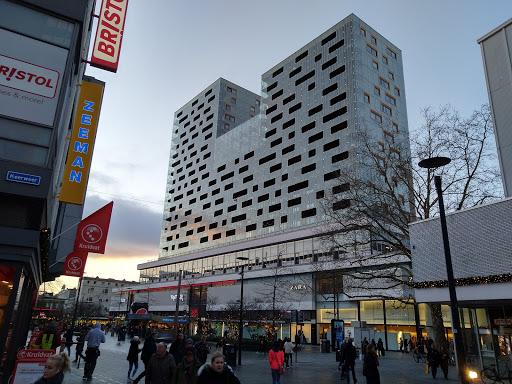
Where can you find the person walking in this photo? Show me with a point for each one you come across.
(364, 346)
(161, 366)
(54, 369)
(380, 348)
(68, 337)
(186, 370)
(443, 362)
(202, 350)
(217, 372)
(94, 338)
(433, 360)
(276, 361)
(177, 348)
(370, 366)
(288, 353)
(348, 360)
(148, 350)
(133, 357)
(50, 338)
(80, 341)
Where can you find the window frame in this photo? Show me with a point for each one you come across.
(375, 64)
(376, 90)
(386, 109)
(391, 75)
(362, 30)
(385, 59)
(397, 91)
(372, 50)
(230, 117)
(373, 39)
(384, 82)
(391, 52)
(389, 97)
(231, 90)
(377, 114)
(366, 97)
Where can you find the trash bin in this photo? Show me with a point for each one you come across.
(229, 352)
(326, 346)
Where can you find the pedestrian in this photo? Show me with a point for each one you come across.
(133, 357)
(343, 346)
(288, 353)
(148, 350)
(94, 338)
(54, 369)
(364, 346)
(50, 338)
(186, 370)
(433, 360)
(177, 348)
(348, 360)
(370, 366)
(276, 361)
(443, 362)
(202, 350)
(380, 348)
(161, 366)
(217, 372)
(68, 337)
(80, 341)
(401, 345)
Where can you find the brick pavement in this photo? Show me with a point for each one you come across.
(312, 366)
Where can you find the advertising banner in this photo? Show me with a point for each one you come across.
(78, 164)
(75, 264)
(91, 236)
(109, 35)
(31, 73)
(30, 365)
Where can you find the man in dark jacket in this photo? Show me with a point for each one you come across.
(148, 350)
(348, 360)
(177, 349)
(161, 366)
(202, 350)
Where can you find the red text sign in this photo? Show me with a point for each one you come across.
(27, 77)
(107, 44)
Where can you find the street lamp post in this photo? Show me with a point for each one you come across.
(241, 323)
(433, 163)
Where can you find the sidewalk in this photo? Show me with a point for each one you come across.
(312, 367)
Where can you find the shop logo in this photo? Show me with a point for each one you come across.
(92, 233)
(28, 77)
(75, 263)
(26, 354)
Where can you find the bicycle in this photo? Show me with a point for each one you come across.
(471, 361)
(491, 375)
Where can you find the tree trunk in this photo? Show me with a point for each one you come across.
(438, 325)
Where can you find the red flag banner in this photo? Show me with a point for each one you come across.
(75, 264)
(91, 235)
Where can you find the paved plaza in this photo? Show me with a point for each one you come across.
(312, 366)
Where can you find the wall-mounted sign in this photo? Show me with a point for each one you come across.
(23, 178)
(109, 35)
(174, 297)
(30, 78)
(76, 173)
(503, 322)
(298, 287)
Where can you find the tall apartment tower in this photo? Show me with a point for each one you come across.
(497, 57)
(242, 179)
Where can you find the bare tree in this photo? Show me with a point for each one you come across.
(383, 190)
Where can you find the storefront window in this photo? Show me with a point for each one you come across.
(7, 274)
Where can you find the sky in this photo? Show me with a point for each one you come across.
(172, 50)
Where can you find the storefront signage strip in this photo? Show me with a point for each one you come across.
(76, 173)
(109, 35)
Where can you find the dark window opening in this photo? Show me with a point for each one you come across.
(333, 144)
(294, 202)
(339, 157)
(308, 168)
(308, 213)
(263, 198)
(332, 175)
(298, 186)
(294, 160)
(343, 204)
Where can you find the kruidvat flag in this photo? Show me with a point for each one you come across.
(91, 235)
(75, 264)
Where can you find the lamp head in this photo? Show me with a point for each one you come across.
(434, 162)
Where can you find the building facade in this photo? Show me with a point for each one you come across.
(42, 47)
(481, 258)
(497, 58)
(248, 175)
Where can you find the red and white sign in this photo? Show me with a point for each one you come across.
(142, 311)
(91, 235)
(107, 44)
(28, 77)
(75, 264)
(34, 354)
(30, 365)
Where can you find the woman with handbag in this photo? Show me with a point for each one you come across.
(276, 360)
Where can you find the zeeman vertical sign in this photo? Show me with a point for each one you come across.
(76, 173)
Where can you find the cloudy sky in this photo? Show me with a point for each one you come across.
(172, 50)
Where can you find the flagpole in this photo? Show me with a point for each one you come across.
(60, 234)
(76, 304)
